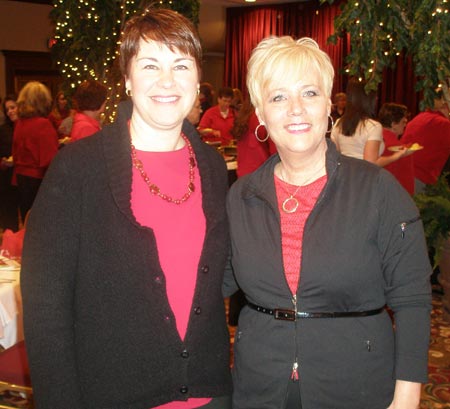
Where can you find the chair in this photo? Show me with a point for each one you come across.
(15, 383)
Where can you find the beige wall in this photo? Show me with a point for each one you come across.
(212, 33)
(23, 27)
(26, 27)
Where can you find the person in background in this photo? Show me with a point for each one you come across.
(356, 133)
(8, 192)
(127, 243)
(216, 123)
(253, 143)
(195, 113)
(320, 243)
(430, 129)
(338, 109)
(253, 149)
(237, 101)
(60, 111)
(394, 117)
(90, 102)
(206, 95)
(35, 142)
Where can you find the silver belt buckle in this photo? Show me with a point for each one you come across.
(284, 315)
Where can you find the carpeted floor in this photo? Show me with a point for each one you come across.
(436, 393)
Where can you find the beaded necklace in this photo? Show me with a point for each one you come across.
(154, 189)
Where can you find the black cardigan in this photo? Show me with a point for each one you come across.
(99, 329)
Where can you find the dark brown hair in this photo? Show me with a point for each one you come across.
(90, 95)
(360, 107)
(240, 125)
(392, 113)
(164, 26)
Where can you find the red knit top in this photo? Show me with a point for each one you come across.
(293, 224)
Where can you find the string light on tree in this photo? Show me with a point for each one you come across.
(87, 39)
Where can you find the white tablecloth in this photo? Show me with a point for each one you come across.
(11, 320)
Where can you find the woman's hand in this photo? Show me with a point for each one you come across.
(406, 395)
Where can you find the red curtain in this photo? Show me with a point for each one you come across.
(246, 26)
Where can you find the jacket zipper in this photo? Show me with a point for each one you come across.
(404, 224)
(294, 375)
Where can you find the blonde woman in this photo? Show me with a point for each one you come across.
(35, 142)
(321, 243)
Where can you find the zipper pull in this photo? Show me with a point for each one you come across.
(294, 302)
(403, 226)
(294, 375)
(368, 346)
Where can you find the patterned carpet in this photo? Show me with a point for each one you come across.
(436, 393)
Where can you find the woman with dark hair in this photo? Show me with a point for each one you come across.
(35, 142)
(356, 133)
(206, 94)
(394, 118)
(8, 204)
(127, 243)
(60, 111)
(90, 101)
(253, 143)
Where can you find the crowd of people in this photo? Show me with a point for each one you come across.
(135, 235)
(35, 127)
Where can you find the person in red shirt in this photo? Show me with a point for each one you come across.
(253, 143)
(394, 118)
(217, 121)
(35, 142)
(90, 101)
(430, 129)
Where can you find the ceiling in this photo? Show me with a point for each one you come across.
(213, 21)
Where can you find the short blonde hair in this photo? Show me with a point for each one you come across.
(34, 99)
(284, 57)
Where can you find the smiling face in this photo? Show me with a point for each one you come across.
(295, 112)
(163, 85)
(11, 110)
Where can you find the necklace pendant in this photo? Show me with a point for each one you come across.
(290, 205)
(154, 189)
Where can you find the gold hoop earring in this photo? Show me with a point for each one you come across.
(332, 124)
(256, 134)
(128, 92)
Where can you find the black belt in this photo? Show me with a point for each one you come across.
(292, 315)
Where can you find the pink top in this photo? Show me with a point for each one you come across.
(179, 232)
(293, 224)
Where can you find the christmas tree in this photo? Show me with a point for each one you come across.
(382, 31)
(86, 39)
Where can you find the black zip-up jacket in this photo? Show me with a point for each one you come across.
(99, 330)
(363, 248)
